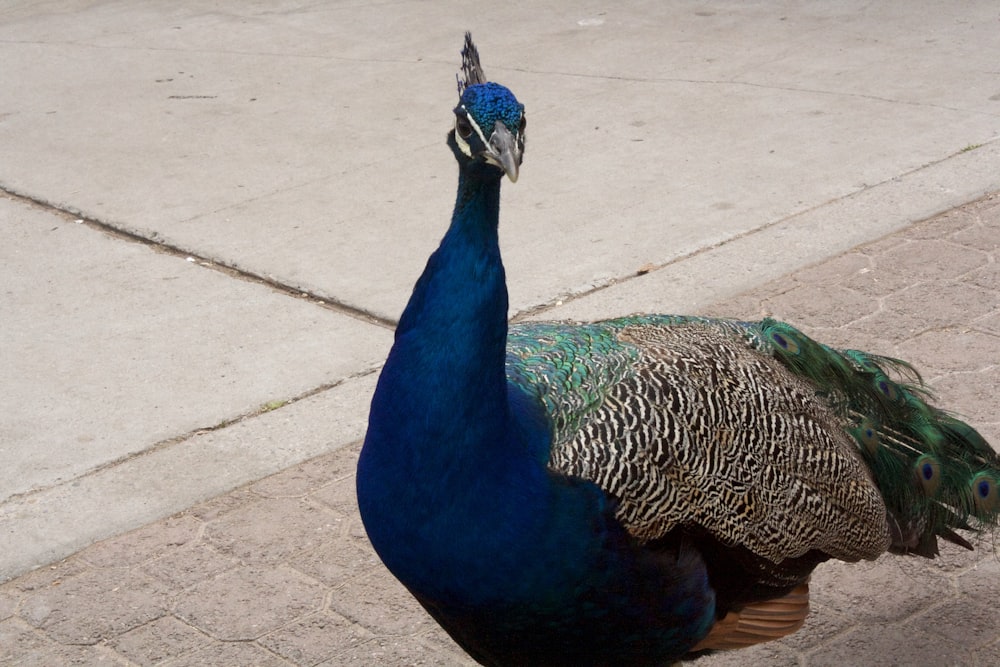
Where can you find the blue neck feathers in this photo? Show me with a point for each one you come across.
(451, 338)
(443, 467)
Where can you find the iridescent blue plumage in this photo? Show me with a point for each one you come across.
(637, 490)
(493, 103)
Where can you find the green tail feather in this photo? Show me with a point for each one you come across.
(936, 473)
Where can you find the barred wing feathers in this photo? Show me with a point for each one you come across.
(753, 433)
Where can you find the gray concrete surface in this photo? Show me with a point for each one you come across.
(213, 214)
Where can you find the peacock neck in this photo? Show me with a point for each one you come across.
(440, 419)
(463, 282)
(451, 339)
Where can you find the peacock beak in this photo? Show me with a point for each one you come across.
(505, 151)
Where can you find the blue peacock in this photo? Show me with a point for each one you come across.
(638, 490)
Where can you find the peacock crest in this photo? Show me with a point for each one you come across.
(472, 71)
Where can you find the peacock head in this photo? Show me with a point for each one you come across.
(489, 121)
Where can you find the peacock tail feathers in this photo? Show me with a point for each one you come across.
(935, 472)
(757, 433)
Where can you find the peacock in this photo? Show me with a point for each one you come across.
(638, 490)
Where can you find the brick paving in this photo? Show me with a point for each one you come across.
(279, 572)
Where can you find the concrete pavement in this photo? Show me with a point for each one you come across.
(213, 217)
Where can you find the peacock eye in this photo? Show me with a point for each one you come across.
(463, 127)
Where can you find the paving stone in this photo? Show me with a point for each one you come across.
(882, 592)
(979, 236)
(340, 496)
(989, 323)
(744, 306)
(311, 475)
(71, 655)
(337, 560)
(355, 528)
(972, 395)
(987, 277)
(185, 567)
(381, 604)
(220, 505)
(315, 638)
(241, 654)
(913, 261)
(944, 225)
(296, 482)
(908, 312)
(48, 575)
(950, 349)
(249, 602)
(877, 281)
(989, 209)
(8, 603)
(437, 638)
(821, 306)
(822, 624)
(394, 651)
(159, 641)
(95, 605)
(884, 244)
(954, 560)
(931, 259)
(987, 238)
(988, 656)
(877, 645)
(272, 529)
(836, 270)
(20, 643)
(772, 653)
(968, 622)
(145, 543)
